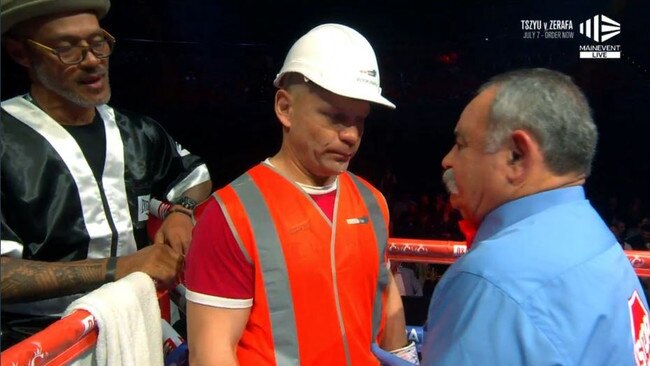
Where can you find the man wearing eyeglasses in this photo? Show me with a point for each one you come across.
(77, 175)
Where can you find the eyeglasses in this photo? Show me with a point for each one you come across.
(74, 55)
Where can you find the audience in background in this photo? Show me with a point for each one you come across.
(407, 281)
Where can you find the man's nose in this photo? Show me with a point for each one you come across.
(350, 134)
(446, 161)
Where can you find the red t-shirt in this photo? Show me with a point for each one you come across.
(217, 272)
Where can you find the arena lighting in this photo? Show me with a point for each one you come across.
(448, 58)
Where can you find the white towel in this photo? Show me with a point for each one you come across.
(128, 317)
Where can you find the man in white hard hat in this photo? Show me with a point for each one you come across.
(287, 264)
(77, 175)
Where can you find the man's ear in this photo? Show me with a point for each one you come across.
(17, 51)
(283, 103)
(524, 154)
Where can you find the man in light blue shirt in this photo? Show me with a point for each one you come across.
(545, 282)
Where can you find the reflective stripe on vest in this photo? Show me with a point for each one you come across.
(379, 227)
(276, 278)
(275, 273)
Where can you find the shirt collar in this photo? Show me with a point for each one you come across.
(310, 190)
(521, 208)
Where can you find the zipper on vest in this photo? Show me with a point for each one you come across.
(339, 313)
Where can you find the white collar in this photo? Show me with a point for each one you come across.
(317, 190)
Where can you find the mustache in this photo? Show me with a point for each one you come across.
(449, 180)
(99, 70)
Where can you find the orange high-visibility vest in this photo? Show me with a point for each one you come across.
(319, 286)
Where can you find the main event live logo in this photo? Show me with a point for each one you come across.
(600, 29)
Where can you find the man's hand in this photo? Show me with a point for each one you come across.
(175, 231)
(162, 263)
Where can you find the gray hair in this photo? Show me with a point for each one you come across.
(550, 106)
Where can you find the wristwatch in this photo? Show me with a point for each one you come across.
(186, 202)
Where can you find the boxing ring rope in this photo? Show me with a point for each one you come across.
(72, 336)
(64, 340)
(446, 252)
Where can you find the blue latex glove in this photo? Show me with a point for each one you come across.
(179, 356)
(388, 358)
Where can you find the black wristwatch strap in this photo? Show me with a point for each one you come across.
(186, 202)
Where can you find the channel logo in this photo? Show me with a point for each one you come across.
(600, 28)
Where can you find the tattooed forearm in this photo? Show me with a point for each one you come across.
(26, 280)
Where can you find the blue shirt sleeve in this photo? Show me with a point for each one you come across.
(472, 322)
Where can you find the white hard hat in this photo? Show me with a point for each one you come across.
(339, 59)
